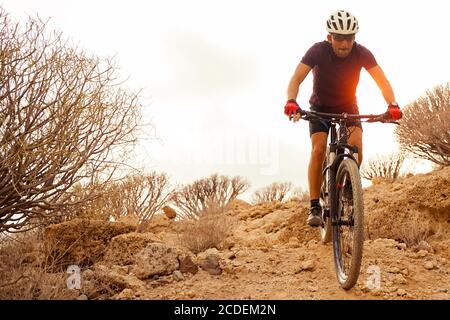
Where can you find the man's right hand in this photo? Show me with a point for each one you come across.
(292, 110)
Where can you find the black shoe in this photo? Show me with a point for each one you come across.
(315, 217)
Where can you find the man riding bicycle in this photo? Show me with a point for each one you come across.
(336, 65)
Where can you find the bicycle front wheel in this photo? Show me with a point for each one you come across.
(348, 229)
(325, 229)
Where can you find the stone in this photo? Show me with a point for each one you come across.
(231, 256)
(429, 265)
(211, 265)
(126, 294)
(156, 259)
(187, 265)
(177, 275)
(308, 265)
(401, 292)
(422, 253)
(169, 212)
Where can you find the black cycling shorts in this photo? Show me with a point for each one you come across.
(324, 126)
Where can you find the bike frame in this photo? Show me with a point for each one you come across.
(338, 146)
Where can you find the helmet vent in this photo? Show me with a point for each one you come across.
(342, 22)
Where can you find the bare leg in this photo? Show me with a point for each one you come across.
(318, 153)
(356, 140)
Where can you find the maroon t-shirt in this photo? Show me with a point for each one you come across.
(335, 79)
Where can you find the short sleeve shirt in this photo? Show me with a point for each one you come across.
(335, 78)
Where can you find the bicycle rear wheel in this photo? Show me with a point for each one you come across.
(348, 231)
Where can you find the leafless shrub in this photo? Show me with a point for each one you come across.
(139, 196)
(383, 166)
(206, 232)
(277, 191)
(413, 232)
(64, 118)
(211, 194)
(424, 129)
(300, 194)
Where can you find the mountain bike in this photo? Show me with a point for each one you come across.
(341, 195)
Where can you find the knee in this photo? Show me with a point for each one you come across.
(318, 152)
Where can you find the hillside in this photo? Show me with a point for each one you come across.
(269, 253)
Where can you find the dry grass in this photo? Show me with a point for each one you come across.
(413, 232)
(24, 273)
(207, 232)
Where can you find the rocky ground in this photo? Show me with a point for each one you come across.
(269, 252)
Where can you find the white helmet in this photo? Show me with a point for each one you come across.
(342, 22)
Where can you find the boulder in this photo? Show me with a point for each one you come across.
(80, 242)
(155, 259)
(123, 248)
(169, 212)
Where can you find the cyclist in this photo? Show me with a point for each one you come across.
(336, 65)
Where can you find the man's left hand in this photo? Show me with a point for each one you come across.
(393, 112)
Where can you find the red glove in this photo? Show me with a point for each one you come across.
(291, 108)
(394, 112)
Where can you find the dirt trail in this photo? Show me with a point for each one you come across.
(306, 271)
(271, 253)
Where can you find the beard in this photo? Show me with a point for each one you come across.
(342, 53)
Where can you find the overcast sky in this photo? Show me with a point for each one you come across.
(216, 72)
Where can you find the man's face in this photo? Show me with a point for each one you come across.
(342, 44)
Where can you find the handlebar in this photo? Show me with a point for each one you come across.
(336, 117)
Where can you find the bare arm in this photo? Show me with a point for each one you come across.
(300, 74)
(383, 83)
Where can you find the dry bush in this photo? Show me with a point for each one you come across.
(212, 194)
(300, 194)
(412, 232)
(206, 232)
(24, 274)
(383, 166)
(64, 117)
(277, 191)
(424, 129)
(139, 196)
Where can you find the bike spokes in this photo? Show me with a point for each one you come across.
(346, 223)
(348, 232)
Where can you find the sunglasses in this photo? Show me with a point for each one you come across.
(342, 37)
